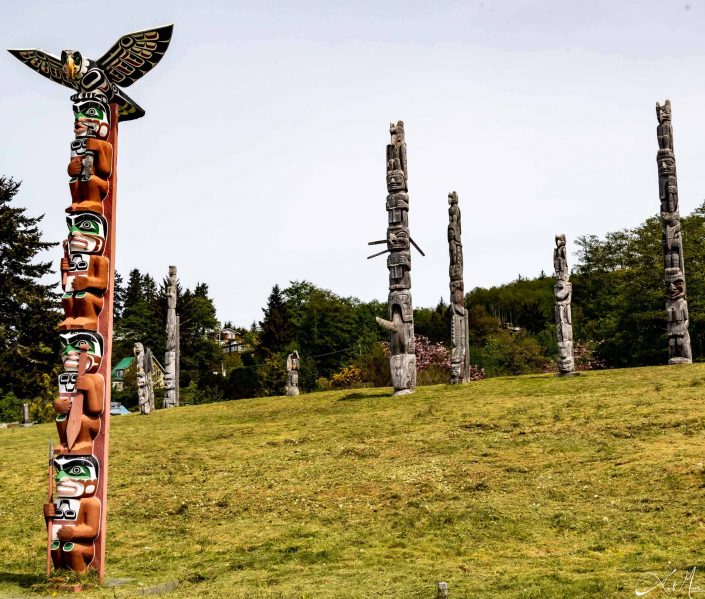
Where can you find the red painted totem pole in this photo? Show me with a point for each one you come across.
(77, 506)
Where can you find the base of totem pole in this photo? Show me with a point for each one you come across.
(679, 361)
(403, 392)
(64, 587)
(569, 373)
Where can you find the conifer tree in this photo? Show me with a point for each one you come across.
(29, 315)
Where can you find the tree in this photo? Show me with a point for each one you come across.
(276, 333)
(29, 315)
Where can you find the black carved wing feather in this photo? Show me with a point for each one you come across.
(45, 64)
(135, 54)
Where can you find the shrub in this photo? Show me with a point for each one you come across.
(346, 378)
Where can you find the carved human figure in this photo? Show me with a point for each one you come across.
(75, 512)
(91, 388)
(560, 260)
(292, 373)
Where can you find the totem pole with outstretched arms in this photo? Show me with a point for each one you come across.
(76, 509)
(401, 314)
(674, 269)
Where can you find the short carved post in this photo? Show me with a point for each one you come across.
(25, 414)
(292, 373)
(674, 270)
(563, 291)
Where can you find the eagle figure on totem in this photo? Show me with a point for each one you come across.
(130, 58)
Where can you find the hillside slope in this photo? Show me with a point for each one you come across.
(532, 486)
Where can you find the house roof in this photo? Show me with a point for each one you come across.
(123, 364)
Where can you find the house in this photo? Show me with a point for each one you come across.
(118, 373)
(231, 341)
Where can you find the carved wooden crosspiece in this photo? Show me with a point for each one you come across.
(674, 270)
(401, 314)
(76, 508)
(563, 291)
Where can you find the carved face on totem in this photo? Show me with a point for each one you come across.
(397, 239)
(76, 476)
(138, 350)
(675, 285)
(86, 232)
(562, 290)
(560, 241)
(91, 116)
(395, 176)
(74, 342)
(666, 166)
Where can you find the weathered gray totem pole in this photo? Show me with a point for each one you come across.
(76, 507)
(674, 274)
(171, 357)
(145, 387)
(563, 292)
(401, 314)
(292, 373)
(459, 354)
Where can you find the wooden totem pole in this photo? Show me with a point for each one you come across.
(77, 506)
(459, 354)
(674, 273)
(401, 313)
(292, 374)
(563, 292)
(145, 385)
(171, 356)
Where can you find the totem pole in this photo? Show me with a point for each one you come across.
(292, 374)
(563, 291)
(401, 314)
(145, 390)
(459, 354)
(171, 357)
(76, 510)
(674, 274)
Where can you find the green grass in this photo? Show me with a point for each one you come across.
(532, 486)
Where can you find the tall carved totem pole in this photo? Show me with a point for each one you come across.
(171, 357)
(401, 313)
(459, 354)
(77, 505)
(674, 273)
(563, 292)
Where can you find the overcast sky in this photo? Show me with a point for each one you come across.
(261, 157)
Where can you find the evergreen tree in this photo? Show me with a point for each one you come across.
(29, 340)
(276, 329)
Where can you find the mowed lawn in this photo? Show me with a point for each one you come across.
(531, 486)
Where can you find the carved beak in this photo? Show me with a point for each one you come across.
(70, 67)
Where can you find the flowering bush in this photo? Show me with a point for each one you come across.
(346, 378)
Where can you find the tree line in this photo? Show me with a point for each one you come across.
(618, 320)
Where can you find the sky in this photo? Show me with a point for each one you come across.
(261, 158)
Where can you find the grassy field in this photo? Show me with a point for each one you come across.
(532, 486)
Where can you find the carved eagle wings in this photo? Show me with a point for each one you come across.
(131, 57)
